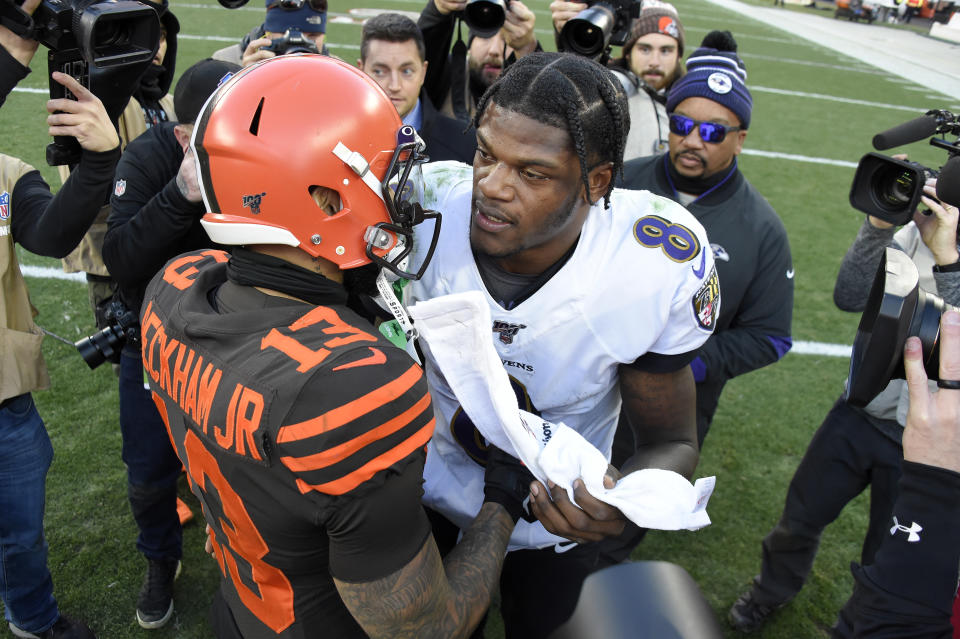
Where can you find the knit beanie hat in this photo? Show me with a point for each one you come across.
(195, 86)
(715, 72)
(658, 18)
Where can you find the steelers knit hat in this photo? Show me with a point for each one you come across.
(715, 72)
(658, 18)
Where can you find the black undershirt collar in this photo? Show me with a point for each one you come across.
(696, 186)
(248, 268)
(511, 289)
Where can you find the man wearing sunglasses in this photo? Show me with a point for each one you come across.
(290, 26)
(709, 113)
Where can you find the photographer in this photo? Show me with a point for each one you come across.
(456, 79)
(48, 225)
(289, 27)
(651, 61)
(853, 447)
(908, 589)
(150, 104)
(155, 215)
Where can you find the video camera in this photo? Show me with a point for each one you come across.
(602, 24)
(890, 189)
(122, 326)
(896, 309)
(105, 45)
(292, 41)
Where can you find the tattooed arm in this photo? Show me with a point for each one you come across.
(433, 598)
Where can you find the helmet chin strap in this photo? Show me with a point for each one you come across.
(359, 165)
(395, 307)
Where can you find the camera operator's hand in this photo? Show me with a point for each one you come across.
(589, 519)
(84, 118)
(932, 434)
(446, 7)
(562, 11)
(938, 228)
(254, 53)
(187, 180)
(22, 49)
(518, 29)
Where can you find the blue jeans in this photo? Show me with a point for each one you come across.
(152, 465)
(25, 457)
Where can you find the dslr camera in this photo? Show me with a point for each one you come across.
(890, 189)
(602, 24)
(292, 41)
(122, 326)
(485, 17)
(105, 45)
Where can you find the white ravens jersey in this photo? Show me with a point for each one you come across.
(640, 280)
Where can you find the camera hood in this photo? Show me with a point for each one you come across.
(887, 188)
(896, 309)
(485, 17)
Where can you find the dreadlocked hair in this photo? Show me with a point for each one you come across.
(569, 92)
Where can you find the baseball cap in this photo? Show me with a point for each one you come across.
(295, 14)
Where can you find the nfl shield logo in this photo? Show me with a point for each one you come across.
(4, 205)
(120, 188)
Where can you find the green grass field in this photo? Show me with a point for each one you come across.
(765, 419)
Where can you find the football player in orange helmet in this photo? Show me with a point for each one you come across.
(302, 429)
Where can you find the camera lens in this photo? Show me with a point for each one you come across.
(589, 32)
(893, 186)
(101, 346)
(485, 17)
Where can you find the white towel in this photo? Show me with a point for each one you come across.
(455, 329)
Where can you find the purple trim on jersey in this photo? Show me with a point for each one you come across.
(781, 344)
(699, 369)
(733, 170)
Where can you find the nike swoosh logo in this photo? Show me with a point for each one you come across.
(790, 274)
(698, 272)
(564, 547)
(377, 357)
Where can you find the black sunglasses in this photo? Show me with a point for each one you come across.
(709, 131)
(320, 6)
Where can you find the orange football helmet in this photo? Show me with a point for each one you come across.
(276, 130)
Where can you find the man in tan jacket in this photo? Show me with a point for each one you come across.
(31, 216)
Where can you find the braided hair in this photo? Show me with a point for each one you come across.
(568, 92)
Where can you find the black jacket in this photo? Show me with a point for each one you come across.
(41, 222)
(150, 221)
(446, 138)
(753, 261)
(909, 589)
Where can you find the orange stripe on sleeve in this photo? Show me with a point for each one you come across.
(350, 411)
(351, 480)
(336, 454)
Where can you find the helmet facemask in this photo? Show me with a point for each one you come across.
(402, 190)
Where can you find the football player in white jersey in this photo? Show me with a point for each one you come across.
(598, 297)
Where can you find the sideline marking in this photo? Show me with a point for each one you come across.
(822, 96)
(798, 158)
(803, 347)
(800, 347)
(50, 273)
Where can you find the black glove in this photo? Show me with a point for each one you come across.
(507, 482)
